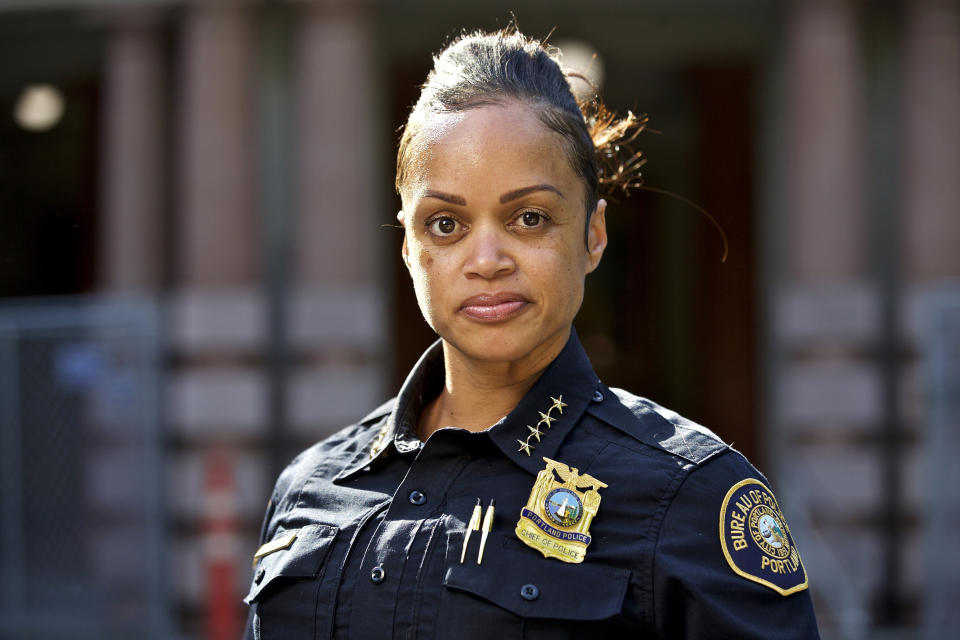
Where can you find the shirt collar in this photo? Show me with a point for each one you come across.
(398, 432)
(533, 430)
(553, 406)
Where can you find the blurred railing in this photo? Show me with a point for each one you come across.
(831, 475)
(941, 617)
(81, 528)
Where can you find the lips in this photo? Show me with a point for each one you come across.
(494, 307)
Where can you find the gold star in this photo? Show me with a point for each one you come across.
(558, 404)
(524, 446)
(535, 431)
(545, 417)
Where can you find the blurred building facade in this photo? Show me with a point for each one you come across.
(231, 162)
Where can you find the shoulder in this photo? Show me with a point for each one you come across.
(726, 560)
(656, 426)
(334, 451)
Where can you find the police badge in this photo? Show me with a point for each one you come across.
(561, 506)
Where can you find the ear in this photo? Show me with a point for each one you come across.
(404, 252)
(596, 235)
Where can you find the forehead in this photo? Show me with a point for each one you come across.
(490, 148)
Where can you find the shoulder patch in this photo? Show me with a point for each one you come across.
(756, 539)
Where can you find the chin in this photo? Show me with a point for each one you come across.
(501, 343)
(497, 353)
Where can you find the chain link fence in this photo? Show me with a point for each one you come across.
(81, 529)
(942, 371)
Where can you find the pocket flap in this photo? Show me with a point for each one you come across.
(563, 591)
(294, 553)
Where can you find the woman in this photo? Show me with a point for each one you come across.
(606, 505)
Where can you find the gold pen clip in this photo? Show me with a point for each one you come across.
(473, 526)
(487, 526)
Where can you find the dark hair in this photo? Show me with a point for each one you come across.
(490, 68)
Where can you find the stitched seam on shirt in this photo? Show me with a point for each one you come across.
(351, 548)
(596, 455)
(441, 511)
(447, 480)
(326, 464)
(656, 521)
(418, 597)
(316, 599)
(632, 444)
(672, 490)
(683, 430)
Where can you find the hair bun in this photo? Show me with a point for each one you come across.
(614, 139)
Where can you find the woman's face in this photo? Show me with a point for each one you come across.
(493, 215)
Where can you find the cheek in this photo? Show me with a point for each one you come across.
(563, 273)
(424, 270)
(568, 256)
(424, 260)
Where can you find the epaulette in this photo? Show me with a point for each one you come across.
(657, 426)
(379, 412)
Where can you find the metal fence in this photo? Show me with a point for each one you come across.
(941, 615)
(81, 529)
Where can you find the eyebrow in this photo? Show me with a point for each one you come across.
(446, 197)
(519, 193)
(507, 197)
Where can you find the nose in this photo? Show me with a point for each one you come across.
(489, 253)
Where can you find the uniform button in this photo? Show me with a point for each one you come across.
(597, 396)
(259, 577)
(529, 592)
(378, 574)
(417, 497)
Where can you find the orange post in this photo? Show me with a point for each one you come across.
(220, 527)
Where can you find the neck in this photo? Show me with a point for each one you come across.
(477, 394)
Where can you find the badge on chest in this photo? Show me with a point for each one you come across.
(562, 504)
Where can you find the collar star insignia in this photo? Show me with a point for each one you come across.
(545, 419)
(558, 404)
(527, 445)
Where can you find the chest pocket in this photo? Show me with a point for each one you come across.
(285, 577)
(534, 597)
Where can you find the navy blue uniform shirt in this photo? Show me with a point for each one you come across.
(364, 532)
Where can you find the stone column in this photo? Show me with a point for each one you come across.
(338, 125)
(217, 310)
(931, 238)
(338, 306)
(825, 395)
(931, 140)
(120, 493)
(132, 170)
(824, 137)
(217, 233)
(217, 389)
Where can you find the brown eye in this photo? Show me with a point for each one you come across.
(531, 218)
(443, 226)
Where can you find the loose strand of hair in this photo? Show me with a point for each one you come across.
(618, 162)
(690, 203)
